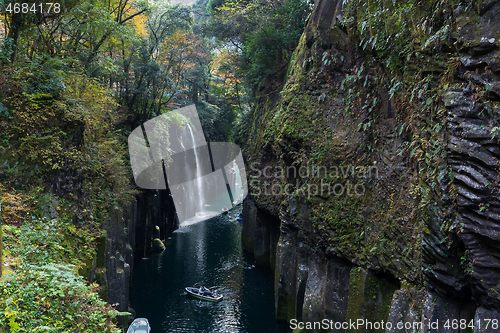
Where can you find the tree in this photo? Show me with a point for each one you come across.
(21, 16)
(265, 31)
(146, 81)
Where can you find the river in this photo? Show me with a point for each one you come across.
(209, 253)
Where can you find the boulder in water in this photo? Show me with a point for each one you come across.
(158, 245)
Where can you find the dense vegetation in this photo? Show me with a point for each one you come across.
(75, 79)
(407, 89)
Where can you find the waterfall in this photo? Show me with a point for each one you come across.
(203, 192)
(200, 204)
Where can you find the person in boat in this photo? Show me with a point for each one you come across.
(203, 290)
(215, 295)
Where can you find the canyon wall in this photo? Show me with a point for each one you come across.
(374, 178)
(129, 234)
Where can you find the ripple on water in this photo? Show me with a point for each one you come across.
(207, 252)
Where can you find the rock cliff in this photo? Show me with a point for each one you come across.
(129, 234)
(374, 166)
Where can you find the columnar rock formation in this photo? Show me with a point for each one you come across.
(414, 99)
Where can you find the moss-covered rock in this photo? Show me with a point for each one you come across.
(409, 90)
(370, 298)
(158, 245)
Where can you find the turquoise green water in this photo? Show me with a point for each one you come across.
(207, 253)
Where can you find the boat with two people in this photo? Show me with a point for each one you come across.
(204, 294)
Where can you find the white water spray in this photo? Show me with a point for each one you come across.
(200, 205)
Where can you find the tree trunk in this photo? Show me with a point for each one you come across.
(15, 28)
(194, 93)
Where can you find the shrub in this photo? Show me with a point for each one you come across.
(52, 298)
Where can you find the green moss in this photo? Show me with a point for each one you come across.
(101, 279)
(338, 106)
(295, 74)
(370, 297)
(286, 307)
(356, 301)
(87, 267)
(378, 296)
(158, 245)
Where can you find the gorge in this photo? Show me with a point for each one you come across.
(392, 108)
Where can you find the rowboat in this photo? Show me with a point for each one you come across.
(139, 325)
(206, 296)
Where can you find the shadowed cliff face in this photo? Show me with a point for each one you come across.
(465, 264)
(329, 142)
(130, 234)
(411, 93)
(473, 113)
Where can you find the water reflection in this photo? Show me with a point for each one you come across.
(208, 252)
